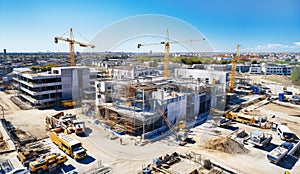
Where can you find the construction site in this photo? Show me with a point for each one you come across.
(150, 109)
(118, 117)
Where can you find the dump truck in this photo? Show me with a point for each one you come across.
(277, 154)
(50, 161)
(68, 145)
(260, 138)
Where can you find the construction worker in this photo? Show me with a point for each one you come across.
(286, 172)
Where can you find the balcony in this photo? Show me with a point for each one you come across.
(33, 93)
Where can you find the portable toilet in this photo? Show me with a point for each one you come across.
(281, 96)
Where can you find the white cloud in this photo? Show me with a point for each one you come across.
(297, 44)
(274, 47)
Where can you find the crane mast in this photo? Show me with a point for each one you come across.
(233, 69)
(167, 44)
(71, 45)
(167, 55)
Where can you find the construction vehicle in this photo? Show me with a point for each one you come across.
(50, 161)
(68, 145)
(69, 103)
(240, 117)
(260, 138)
(72, 42)
(30, 155)
(53, 121)
(277, 154)
(78, 127)
(167, 50)
(67, 122)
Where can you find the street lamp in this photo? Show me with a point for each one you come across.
(2, 111)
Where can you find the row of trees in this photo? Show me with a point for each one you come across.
(43, 68)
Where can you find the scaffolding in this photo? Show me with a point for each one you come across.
(134, 105)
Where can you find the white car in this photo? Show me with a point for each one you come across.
(22, 170)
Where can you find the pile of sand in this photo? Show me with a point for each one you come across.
(225, 144)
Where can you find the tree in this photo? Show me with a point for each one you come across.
(34, 68)
(254, 62)
(296, 75)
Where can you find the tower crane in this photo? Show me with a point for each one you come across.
(71, 43)
(167, 50)
(233, 69)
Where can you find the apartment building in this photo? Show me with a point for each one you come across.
(277, 69)
(44, 89)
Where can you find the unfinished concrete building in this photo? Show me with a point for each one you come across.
(150, 108)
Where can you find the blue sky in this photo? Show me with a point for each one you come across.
(258, 25)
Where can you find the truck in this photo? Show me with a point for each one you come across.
(277, 154)
(67, 144)
(67, 122)
(240, 117)
(50, 161)
(78, 127)
(53, 120)
(260, 138)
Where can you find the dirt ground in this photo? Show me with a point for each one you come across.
(31, 121)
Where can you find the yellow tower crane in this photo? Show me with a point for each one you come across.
(71, 43)
(233, 69)
(167, 50)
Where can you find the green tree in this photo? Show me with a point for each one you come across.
(34, 68)
(296, 75)
(254, 62)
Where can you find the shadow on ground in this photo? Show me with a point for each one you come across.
(87, 132)
(233, 128)
(69, 169)
(269, 147)
(88, 159)
(288, 162)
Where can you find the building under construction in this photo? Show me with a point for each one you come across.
(151, 106)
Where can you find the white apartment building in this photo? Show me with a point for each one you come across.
(277, 69)
(44, 89)
(255, 69)
(132, 72)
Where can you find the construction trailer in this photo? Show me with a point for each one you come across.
(132, 106)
